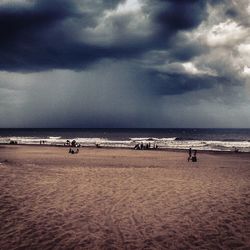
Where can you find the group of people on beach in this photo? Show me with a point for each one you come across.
(192, 155)
(74, 145)
(145, 146)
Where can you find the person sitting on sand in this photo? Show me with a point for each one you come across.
(194, 158)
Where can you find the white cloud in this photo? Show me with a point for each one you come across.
(244, 54)
(225, 34)
(16, 2)
(192, 69)
(127, 23)
(127, 7)
(246, 70)
(227, 41)
(248, 9)
(189, 68)
(244, 49)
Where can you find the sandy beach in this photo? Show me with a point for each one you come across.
(123, 199)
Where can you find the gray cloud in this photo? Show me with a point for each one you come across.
(67, 34)
(124, 63)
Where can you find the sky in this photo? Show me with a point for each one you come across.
(125, 63)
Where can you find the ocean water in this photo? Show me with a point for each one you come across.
(200, 139)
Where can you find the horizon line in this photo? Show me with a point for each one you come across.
(143, 128)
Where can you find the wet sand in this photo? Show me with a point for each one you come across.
(122, 199)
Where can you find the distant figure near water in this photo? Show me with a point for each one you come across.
(189, 154)
(191, 157)
(236, 150)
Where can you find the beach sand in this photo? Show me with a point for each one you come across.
(123, 199)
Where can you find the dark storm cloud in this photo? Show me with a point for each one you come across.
(41, 57)
(181, 15)
(238, 13)
(182, 49)
(161, 84)
(33, 36)
(42, 35)
(19, 21)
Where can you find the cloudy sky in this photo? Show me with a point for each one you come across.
(125, 63)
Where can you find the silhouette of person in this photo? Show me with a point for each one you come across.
(189, 154)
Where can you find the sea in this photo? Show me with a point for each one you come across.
(199, 139)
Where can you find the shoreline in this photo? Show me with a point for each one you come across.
(210, 151)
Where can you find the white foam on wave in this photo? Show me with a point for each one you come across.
(55, 137)
(168, 143)
(153, 139)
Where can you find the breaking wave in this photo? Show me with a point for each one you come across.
(164, 143)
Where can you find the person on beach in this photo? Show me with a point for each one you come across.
(189, 154)
(72, 151)
(194, 158)
(236, 150)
